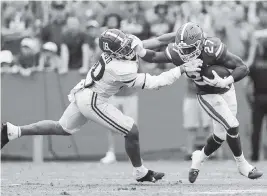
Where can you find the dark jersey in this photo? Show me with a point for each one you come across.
(212, 54)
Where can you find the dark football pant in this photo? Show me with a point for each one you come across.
(259, 110)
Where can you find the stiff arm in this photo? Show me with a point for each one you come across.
(147, 81)
(149, 45)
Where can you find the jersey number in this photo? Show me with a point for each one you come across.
(209, 46)
(97, 71)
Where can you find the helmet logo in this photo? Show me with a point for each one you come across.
(192, 34)
(105, 46)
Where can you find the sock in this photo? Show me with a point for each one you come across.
(140, 172)
(213, 143)
(241, 158)
(13, 132)
(202, 158)
(233, 140)
(243, 165)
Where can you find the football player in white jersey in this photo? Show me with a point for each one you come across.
(116, 69)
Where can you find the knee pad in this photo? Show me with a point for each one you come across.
(134, 133)
(234, 123)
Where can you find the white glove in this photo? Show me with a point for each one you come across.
(191, 66)
(137, 46)
(218, 81)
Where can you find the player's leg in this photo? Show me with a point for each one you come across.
(190, 124)
(234, 141)
(104, 113)
(223, 110)
(130, 106)
(70, 122)
(207, 124)
(110, 156)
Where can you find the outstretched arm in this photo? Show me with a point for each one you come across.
(148, 55)
(160, 41)
(154, 57)
(146, 81)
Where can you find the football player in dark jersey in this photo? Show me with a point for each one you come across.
(216, 96)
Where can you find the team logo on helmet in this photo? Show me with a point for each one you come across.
(192, 34)
(105, 46)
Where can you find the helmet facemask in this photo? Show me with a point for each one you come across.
(125, 51)
(188, 52)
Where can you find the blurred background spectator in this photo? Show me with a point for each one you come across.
(63, 35)
(17, 22)
(49, 59)
(6, 60)
(28, 57)
(74, 48)
(52, 32)
(135, 22)
(256, 87)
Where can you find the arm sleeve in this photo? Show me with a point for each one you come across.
(156, 57)
(146, 81)
(160, 41)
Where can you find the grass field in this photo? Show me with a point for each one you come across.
(94, 179)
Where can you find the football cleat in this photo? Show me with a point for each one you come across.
(151, 176)
(109, 158)
(248, 170)
(255, 173)
(193, 174)
(197, 161)
(252, 174)
(4, 137)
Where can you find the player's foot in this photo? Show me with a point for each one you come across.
(198, 157)
(249, 171)
(4, 137)
(151, 176)
(193, 174)
(109, 158)
(255, 173)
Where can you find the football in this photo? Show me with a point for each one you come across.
(222, 71)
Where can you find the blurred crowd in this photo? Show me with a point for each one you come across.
(38, 35)
(62, 35)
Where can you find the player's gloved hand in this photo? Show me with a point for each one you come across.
(218, 81)
(137, 46)
(191, 66)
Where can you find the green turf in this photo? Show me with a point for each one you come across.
(94, 179)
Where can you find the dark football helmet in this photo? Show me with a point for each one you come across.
(189, 41)
(117, 44)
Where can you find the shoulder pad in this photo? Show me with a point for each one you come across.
(122, 67)
(213, 47)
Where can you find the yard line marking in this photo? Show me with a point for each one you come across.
(232, 192)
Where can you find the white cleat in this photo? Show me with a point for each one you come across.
(198, 157)
(109, 158)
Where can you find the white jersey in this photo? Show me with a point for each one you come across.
(109, 75)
